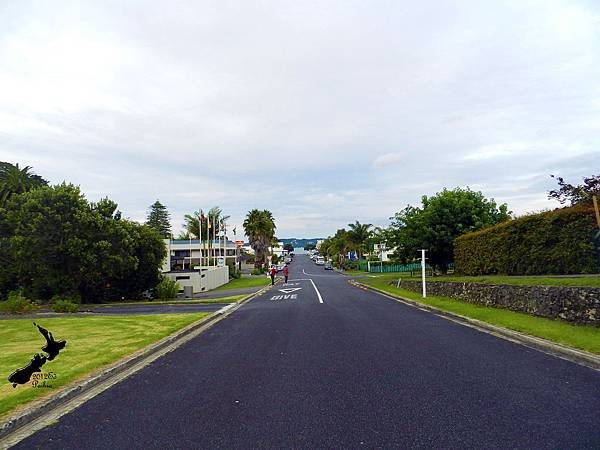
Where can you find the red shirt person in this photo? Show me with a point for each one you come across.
(286, 273)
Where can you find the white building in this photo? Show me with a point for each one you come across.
(186, 254)
(383, 253)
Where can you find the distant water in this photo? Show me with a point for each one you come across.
(299, 250)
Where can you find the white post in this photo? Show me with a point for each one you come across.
(423, 272)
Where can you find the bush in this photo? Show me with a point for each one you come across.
(260, 271)
(167, 289)
(274, 259)
(16, 303)
(64, 305)
(554, 242)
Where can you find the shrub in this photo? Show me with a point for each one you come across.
(260, 271)
(64, 305)
(274, 259)
(167, 289)
(16, 303)
(554, 242)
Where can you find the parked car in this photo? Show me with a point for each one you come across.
(280, 267)
(328, 266)
(320, 261)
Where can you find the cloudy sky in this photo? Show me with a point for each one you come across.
(322, 111)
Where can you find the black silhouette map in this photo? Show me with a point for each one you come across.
(52, 348)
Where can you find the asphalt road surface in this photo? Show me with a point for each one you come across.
(340, 368)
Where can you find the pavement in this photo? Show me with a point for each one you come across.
(318, 363)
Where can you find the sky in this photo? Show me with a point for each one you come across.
(324, 112)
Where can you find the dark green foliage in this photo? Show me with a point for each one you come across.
(60, 244)
(15, 180)
(16, 303)
(288, 247)
(159, 219)
(439, 220)
(555, 242)
(167, 289)
(274, 259)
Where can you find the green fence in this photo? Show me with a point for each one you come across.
(386, 268)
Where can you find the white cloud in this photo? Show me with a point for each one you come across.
(298, 108)
(389, 159)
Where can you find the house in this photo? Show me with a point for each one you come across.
(185, 254)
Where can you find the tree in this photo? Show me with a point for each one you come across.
(582, 193)
(308, 247)
(63, 245)
(288, 247)
(196, 224)
(358, 236)
(159, 219)
(259, 226)
(15, 180)
(441, 219)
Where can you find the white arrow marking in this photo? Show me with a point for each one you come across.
(289, 290)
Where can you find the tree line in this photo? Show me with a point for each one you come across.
(436, 223)
(55, 243)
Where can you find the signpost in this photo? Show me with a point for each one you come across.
(423, 272)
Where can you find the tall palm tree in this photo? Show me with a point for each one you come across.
(259, 226)
(16, 180)
(359, 235)
(195, 227)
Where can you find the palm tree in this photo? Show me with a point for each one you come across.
(16, 180)
(259, 226)
(359, 235)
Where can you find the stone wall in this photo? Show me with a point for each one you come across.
(573, 304)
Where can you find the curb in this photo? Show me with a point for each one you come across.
(580, 357)
(169, 343)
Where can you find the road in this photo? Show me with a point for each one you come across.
(340, 368)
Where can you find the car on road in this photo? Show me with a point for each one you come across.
(280, 266)
(328, 266)
(320, 261)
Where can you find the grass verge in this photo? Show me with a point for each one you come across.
(583, 337)
(229, 299)
(245, 282)
(92, 343)
(581, 281)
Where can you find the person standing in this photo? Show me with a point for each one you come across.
(272, 273)
(286, 273)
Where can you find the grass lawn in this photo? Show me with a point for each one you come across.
(230, 299)
(584, 337)
(246, 282)
(92, 343)
(549, 280)
(355, 272)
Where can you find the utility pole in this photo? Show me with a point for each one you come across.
(423, 272)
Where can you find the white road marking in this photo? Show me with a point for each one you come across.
(313, 283)
(289, 290)
(285, 297)
(317, 291)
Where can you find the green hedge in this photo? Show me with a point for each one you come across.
(554, 242)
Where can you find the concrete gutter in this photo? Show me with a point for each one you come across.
(580, 357)
(39, 415)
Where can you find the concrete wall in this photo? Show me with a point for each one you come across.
(573, 304)
(212, 278)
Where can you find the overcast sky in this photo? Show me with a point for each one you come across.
(324, 112)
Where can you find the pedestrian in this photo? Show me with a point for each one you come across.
(272, 273)
(286, 273)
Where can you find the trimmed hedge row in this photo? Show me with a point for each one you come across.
(554, 242)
